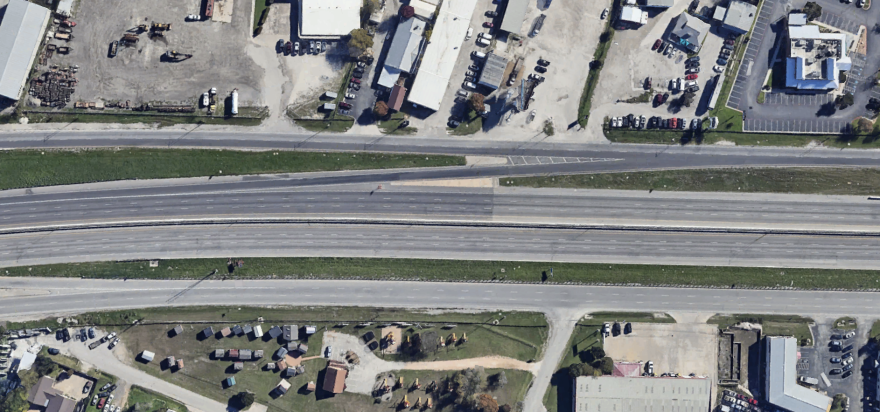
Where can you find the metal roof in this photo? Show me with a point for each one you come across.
(740, 16)
(689, 31)
(396, 98)
(514, 16)
(782, 389)
(405, 46)
(21, 31)
(641, 394)
(797, 19)
(659, 3)
(329, 18)
(493, 71)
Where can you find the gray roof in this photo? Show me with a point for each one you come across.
(659, 3)
(690, 30)
(514, 15)
(20, 34)
(493, 71)
(797, 19)
(740, 16)
(641, 394)
(404, 50)
(782, 389)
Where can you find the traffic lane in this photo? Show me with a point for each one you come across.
(476, 204)
(403, 144)
(77, 295)
(437, 242)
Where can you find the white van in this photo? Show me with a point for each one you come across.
(470, 33)
(483, 42)
(479, 55)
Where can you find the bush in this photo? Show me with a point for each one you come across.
(485, 403)
(245, 399)
(605, 365)
(864, 126)
(358, 42)
(580, 369)
(16, 401)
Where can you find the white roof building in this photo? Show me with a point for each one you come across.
(782, 389)
(633, 14)
(21, 32)
(328, 19)
(815, 58)
(423, 8)
(641, 394)
(27, 360)
(740, 16)
(438, 63)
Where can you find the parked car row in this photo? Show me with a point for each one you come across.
(736, 402)
(841, 343)
(293, 48)
(656, 122)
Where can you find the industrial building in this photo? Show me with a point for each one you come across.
(660, 4)
(493, 71)
(641, 394)
(404, 51)
(21, 32)
(634, 15)
(424, 9)
(688, 32)
(815, 59)
(782, 389)
(739, 16)
(514, 14)
(438, 62)
(328, 19)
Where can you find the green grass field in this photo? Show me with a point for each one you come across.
(774, 325)
(585, 336)
(471, 124)
(433, 270)
(32, 168)
(392, 125)
(826, 181)
(145, 400)
(845, 323)
(719, 135)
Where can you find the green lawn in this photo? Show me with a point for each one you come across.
(875, 330)
(31, 168)
(148, 401)
(733, 119)
(827, 181)
(259, 6)
(459, 270)
(585, 336)
(338, 125)
(392, 125)
(471, 124)
(845, 323)
(517, 334)
(773, 325)
(586, 101)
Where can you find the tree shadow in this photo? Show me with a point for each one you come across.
(827, 110)
(563, 383)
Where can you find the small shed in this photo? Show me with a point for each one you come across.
(244, 354)
(247, 329)
(237, 330)
(230, 381)
(208, 332)
(169, 361)
(275, 332)
(311, 386)
(233, 354)
(270, 366)
(291, 332)
(311, 329)
(291, 346)
(219, 353)
(283, 387)
(300, 370)
(147, 356)
(290, 372)
(226, 332)
(280, 353)
(238, 366)
(258, 332)
(281, 365)
(180, 364)
(258, 354)
(177, 330)
(302, 348)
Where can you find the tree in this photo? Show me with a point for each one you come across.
(16, 401)
(844, 101)
(407, 12)
(370, 7)
(580, 369)
(605, 36)
(504, 408)
(499, 380)
(381, 109)
(245, 399)
(812, 10)
(467, 382)
(605, 365)
(485, 403)
(873, 104)
(476, 102)
(358, 42)
(596, 64)
(687, 99)
(597, 352)
(864, 126)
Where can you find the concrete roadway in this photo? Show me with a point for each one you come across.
(440, 242)
(75, 205)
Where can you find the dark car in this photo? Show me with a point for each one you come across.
(692, 59)
(280, 45)
(373, 345)
(474, 67)
(344, 105)
(540, 69)
(846, 375)
(288, 48)
(629, 327)
(542, 62)
(357, 75)
(615, 329)
(354, 86)
(657, 44)
(665, 97)
(729, 42)
(849, 348)
(358, 70)
(59, 335)
(453, 123)
(630, 117)
(662, 47)
(66, 334)
(648, 83)
(848, 367)
(692, 89)
(369, 336)
(722, 61)
(488, 24)
(114, 45)
(658, 99)
(665, 124)
(625, 122)
(491, 13)
(87, 387)
(91, 333)
(53, 351)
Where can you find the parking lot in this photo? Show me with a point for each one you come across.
(219, 53)
(797, 126)
(816, 361)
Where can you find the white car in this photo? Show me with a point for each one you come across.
(350, 96)
(328, 352)
(486, 36)
(193, 17)
(296, 47)
(205, 99)
(113, 344)
(462, 93)
(604, 14)
(469, 85)
(718, 69)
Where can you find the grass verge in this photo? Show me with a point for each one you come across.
(733, 120)
(30, 168)
(460, 270)
(605, 41)
(586, 336)
(392, 125)
(875, 331)
(773, 325)
(473, 123)
(145, 400)
(845, 323)
(131, 117)
(829, 181)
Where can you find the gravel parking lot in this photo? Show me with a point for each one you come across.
(137, 74)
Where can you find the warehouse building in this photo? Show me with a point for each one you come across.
(659, 4)
(328, 19)
(514, 14)
(739, 16)
(403, 52)
(21, 32)
(641, 394)
(493, 71)
(438, 63)
(815, 59)
(782, 389)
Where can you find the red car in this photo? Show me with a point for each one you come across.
(659, 99)
(673, 123)
(657, 44)
(729, 42)
(691, 77)
(101, 403)
(344, 105)
(353, 80)
(488, 24)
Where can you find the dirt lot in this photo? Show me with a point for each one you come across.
(72, 387)
(568, 39)
(674, 347)
(137, 74)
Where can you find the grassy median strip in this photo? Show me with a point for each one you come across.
(826, 181)
(772, 325)
(465, 270)
(31, 168)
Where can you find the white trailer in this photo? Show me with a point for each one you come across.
(234, 101)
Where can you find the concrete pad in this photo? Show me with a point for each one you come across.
(484, 182)
(674, 347)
